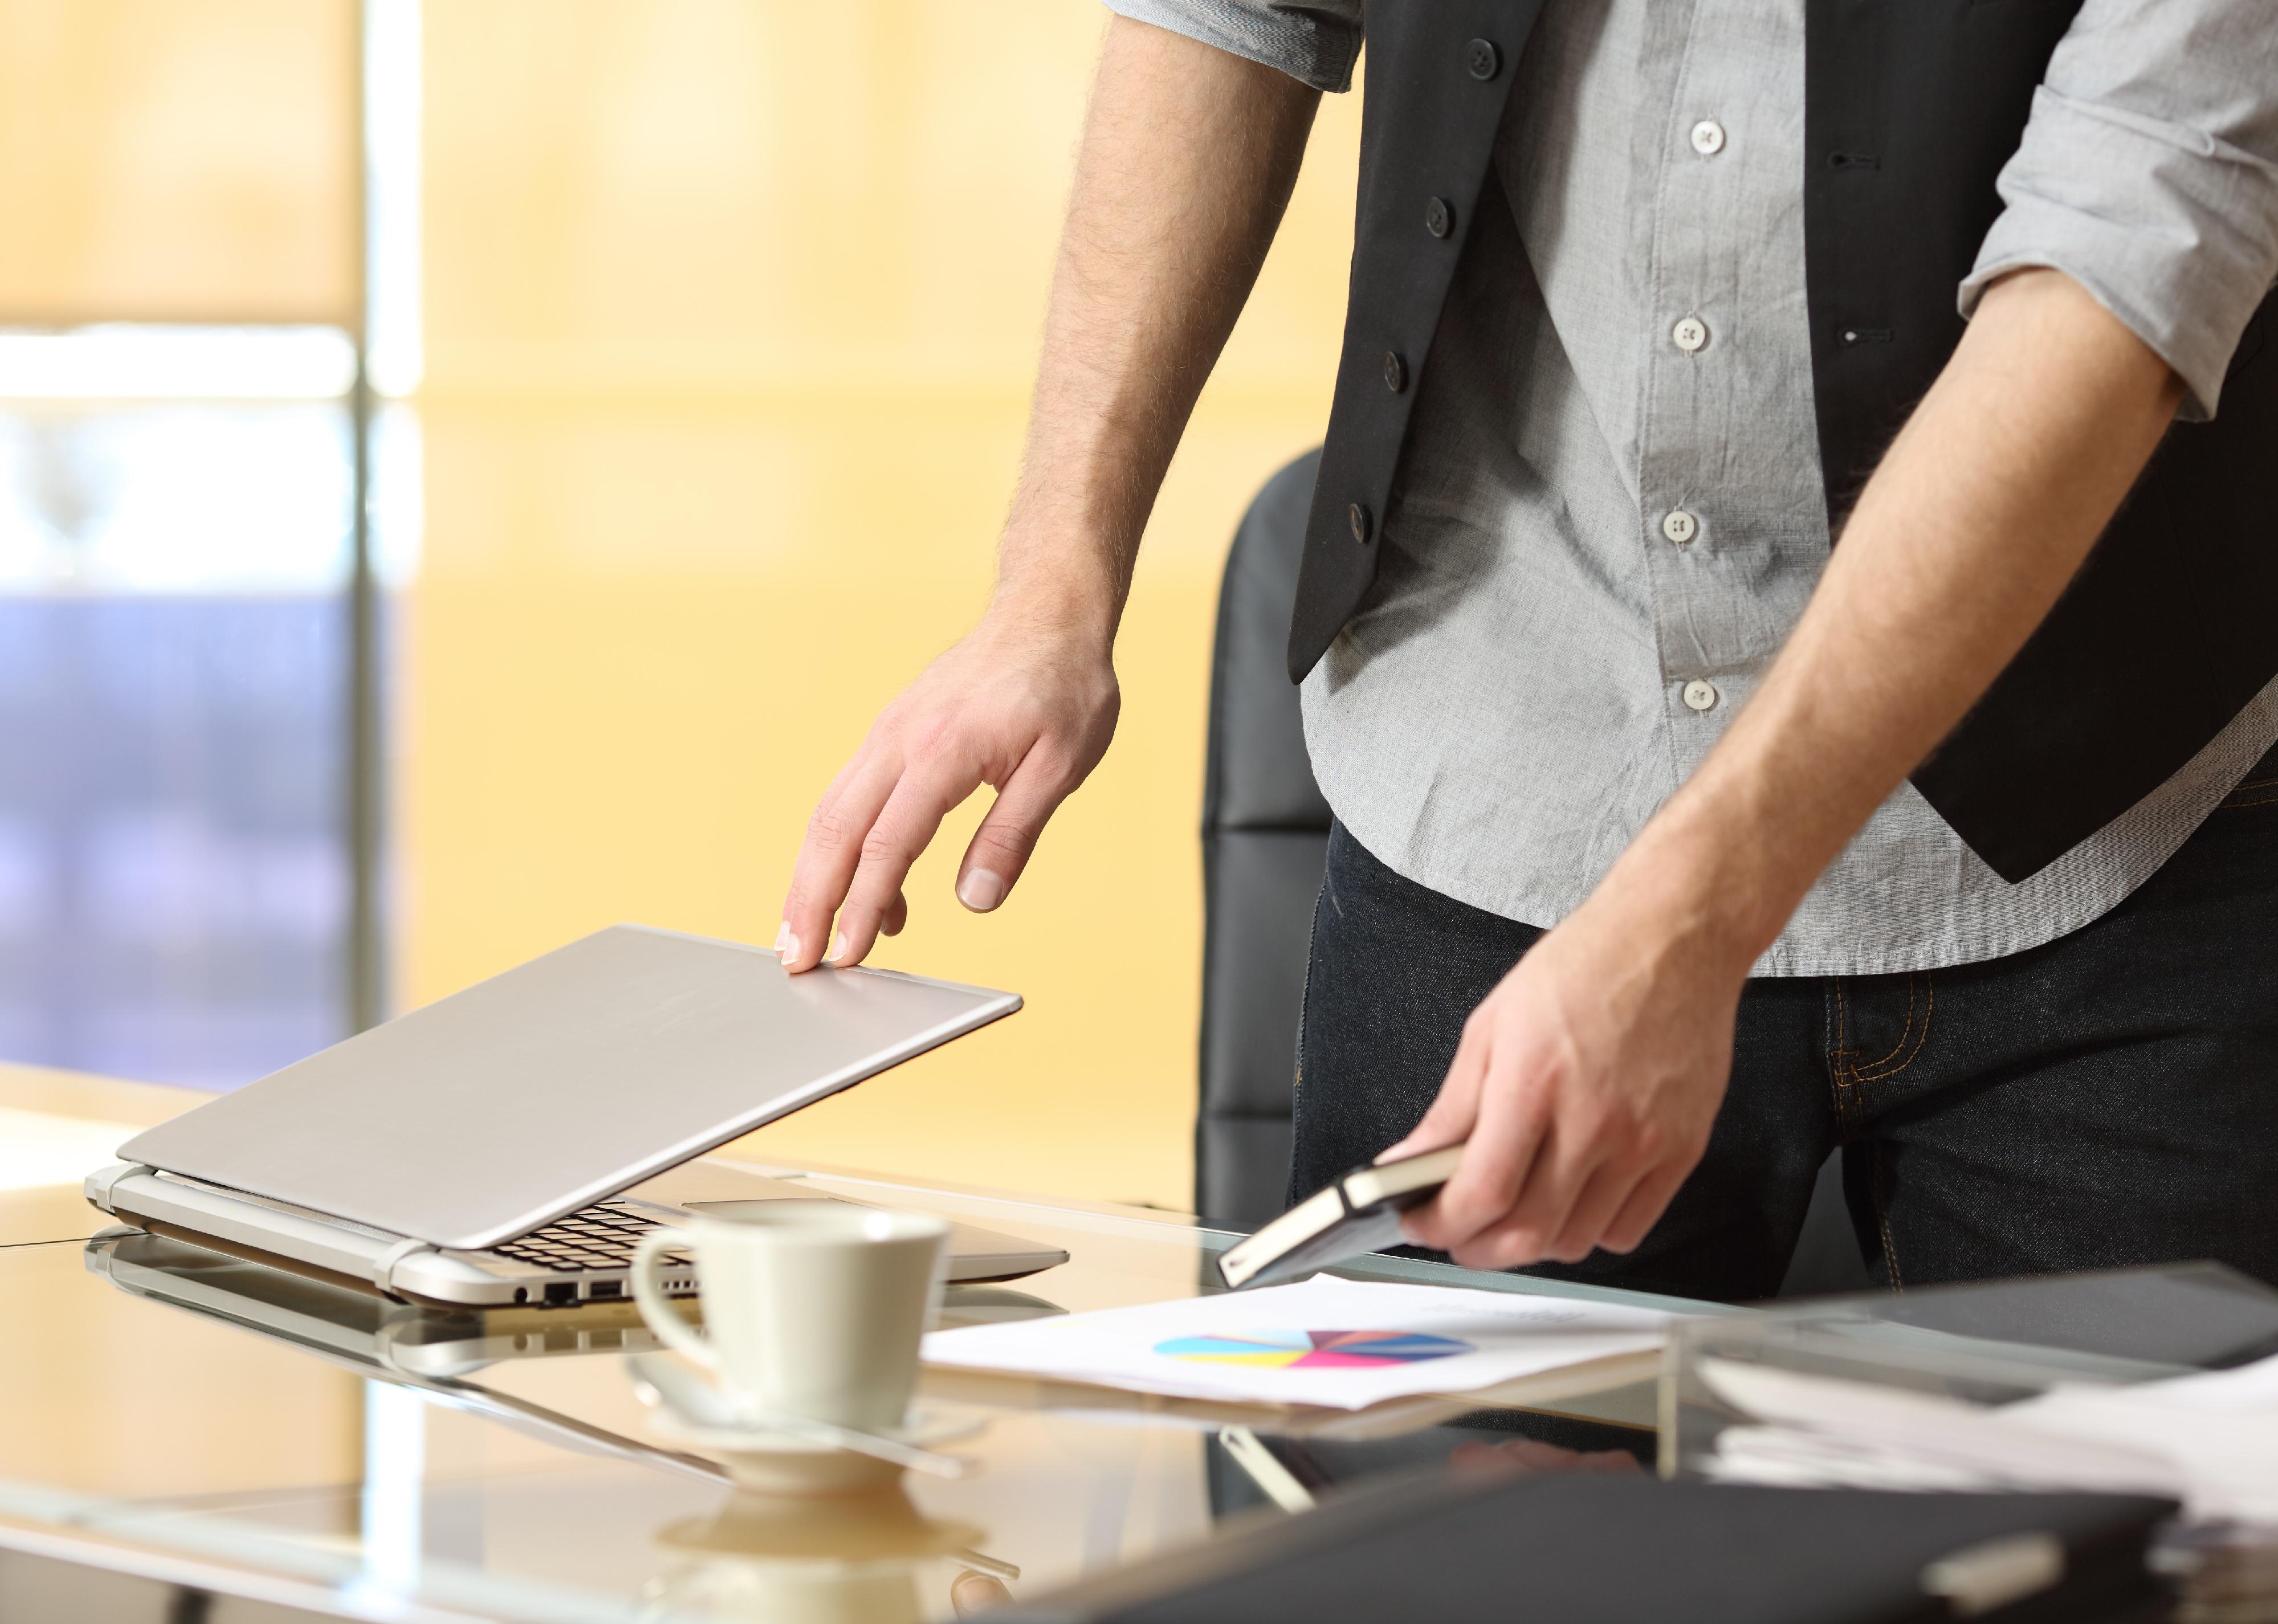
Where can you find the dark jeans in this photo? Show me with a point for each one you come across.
(2108, 1099)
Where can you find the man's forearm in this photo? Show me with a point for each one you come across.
(1187, 160)
(1980, 514)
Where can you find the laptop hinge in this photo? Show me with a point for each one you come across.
(383, 1266)
(99, 1183)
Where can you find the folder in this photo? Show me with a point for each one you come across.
(1613, 1549)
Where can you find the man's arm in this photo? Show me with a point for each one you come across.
(1187, 160)
(1586, 1083)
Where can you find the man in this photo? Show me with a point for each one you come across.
(1643, 292)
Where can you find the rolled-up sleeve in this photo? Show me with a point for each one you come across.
(2149, 175)
(1314, 40)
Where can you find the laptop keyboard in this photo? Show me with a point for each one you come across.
(601, 1237)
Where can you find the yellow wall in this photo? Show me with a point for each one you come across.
(731, 310)
(178, 160)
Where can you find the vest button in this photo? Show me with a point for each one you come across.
(1439, 217)
(1484, 60)
(1396, 371)
(1358, 515)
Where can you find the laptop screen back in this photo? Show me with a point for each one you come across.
(557, 1084)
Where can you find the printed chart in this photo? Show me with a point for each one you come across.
(1391, 1340)
(1314, 1350)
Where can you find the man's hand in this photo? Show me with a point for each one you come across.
(1587, 1082)
(1188, 156)
(1023, 706)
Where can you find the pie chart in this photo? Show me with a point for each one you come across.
(1314, 1350)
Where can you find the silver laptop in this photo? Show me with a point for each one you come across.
(509, 1144)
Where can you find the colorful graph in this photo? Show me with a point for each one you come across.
(1314, 1350)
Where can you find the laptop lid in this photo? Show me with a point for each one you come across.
(558, 1083)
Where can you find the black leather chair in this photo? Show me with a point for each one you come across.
(1265, 829)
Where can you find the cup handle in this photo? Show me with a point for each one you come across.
(656, 1307)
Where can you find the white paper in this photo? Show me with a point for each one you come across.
(1887, 1433)
(1341, 1344)
(2210, 1441)
(2220, 1431)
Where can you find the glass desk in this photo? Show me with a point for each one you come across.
(198, 1419)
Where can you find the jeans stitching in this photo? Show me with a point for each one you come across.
(1876, 1073)
(2233, 804)
(1290, 1192)
(1843, 1066)
(1906, 1032)
(1883, 1220)
(1305, 992)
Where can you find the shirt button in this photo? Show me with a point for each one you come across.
(1699, 694)
(1396, 371)
(1483, 59)
(1359, 516)
(1679, 526)
(1708, 138)
(1690, 334)
(1439, 217)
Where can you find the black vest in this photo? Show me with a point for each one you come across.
(1911, 108)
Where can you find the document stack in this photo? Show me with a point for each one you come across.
(2152, 1382)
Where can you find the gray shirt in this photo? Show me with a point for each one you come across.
(1612, 512)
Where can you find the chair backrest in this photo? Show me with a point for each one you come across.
(1265, 829)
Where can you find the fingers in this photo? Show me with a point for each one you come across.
(829, 855)
(1565, 1205)
(1643, 1207)
(972, 1592)
(1000, 847)
(930, 786)
(1498, 1153)
(1521, 1234)
(1601, 1201)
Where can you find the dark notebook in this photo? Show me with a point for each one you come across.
(1615, 1550)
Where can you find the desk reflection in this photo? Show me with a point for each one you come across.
(500, 1463)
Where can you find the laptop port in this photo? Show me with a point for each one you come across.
(560, 1291)
(599, 1289)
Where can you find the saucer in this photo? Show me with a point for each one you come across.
(764, 1458)
(782, 1463)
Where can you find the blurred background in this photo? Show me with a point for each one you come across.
(469, 473)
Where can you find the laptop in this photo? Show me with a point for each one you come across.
(507, 1146)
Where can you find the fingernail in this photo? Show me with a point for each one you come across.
(981, 890)
(838, 948)
(786, 945)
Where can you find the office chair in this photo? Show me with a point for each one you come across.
(1265, 831)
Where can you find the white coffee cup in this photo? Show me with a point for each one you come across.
(812, 1308)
